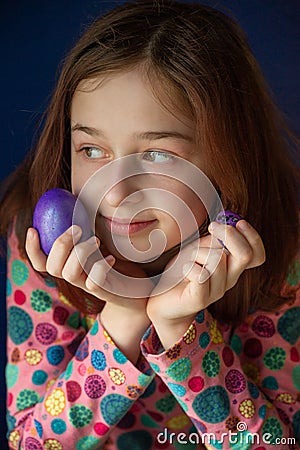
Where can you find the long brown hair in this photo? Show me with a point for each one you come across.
(203, 56)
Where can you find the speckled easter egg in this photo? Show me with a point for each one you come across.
(228, 218)
(54, 214)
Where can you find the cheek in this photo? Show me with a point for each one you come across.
(182, 211)
(75, 175)
(187, 207)
(195, 205)
(181, 226)
(79, 176)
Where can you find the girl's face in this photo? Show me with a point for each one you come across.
(116, 116)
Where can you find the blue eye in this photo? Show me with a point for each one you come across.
(157, 156)
(94, 153)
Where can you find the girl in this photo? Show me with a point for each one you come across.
(214, 361)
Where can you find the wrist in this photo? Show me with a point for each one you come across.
(123, 315)
(171, 331)
(126, 328)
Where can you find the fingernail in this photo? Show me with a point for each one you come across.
(97, 241)
(211, 227)
(30, 234)
(243, 225)
(74, 231)
(110, 259)
(93, 240)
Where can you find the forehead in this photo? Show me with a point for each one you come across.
(135, 88)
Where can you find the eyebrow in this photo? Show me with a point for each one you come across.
(145, 135)
(88, 130)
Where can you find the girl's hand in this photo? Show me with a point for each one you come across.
(80, 265)
(214, 271)
(124, 318)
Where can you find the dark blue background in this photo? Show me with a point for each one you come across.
(35, 36)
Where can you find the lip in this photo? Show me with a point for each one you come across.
(125, 227)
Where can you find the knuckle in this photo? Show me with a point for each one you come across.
(229, 231)
(217, 257)
(80, 251)
(261, 258)
(256, 241)
(99, 274)
(63, 242)
(66, 274)
(60, 240)
(220, 293)
(92, 286)
(37, 266)
(246, 256)
(84, 249)
(52, 269)
(69, 274)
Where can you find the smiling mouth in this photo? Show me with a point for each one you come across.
(125, 227)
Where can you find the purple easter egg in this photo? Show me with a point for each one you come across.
(228, 218)
(53, 215)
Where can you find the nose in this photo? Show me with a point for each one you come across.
(125, 191)
(125, 187)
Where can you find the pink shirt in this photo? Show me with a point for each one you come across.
(70, 387)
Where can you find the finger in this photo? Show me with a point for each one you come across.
(242, 251)
(255, 241)
(195, 295)
(61, 249)
(95, 281)
(209, 269)
(242, 241)
(236, 244)
(216, 273)
(238, 249)
(33, 248)
(208, 258)
(205, 241)
(214, 262)
(74, 270)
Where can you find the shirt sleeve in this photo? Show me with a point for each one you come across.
(68, 385)
(240, 387)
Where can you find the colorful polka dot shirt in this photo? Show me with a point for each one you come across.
(71, 388)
